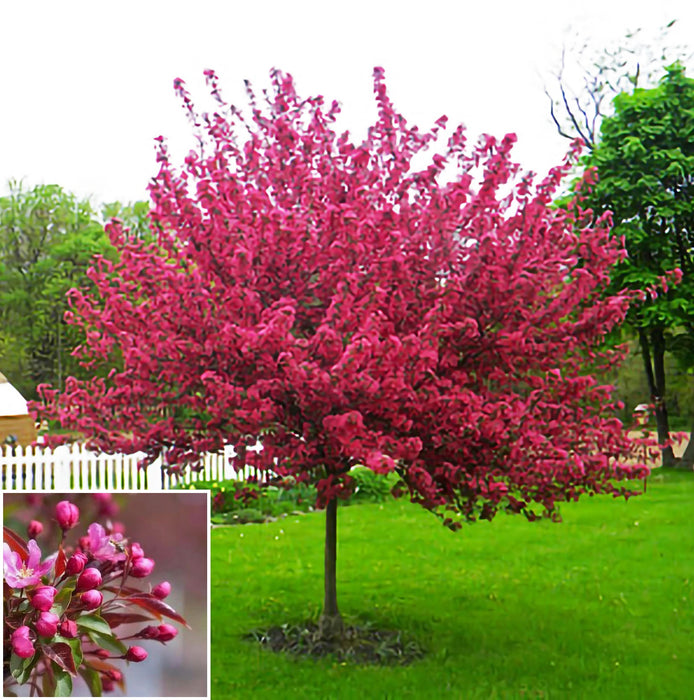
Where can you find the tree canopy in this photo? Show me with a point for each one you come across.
(350, 308)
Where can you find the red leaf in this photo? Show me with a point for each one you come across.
(128, 590)
(115, 619)
(104, 667)
(156, 606)
(16, 543)
(61, 653)
(60, 562)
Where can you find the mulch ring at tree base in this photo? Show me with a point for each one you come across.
(360, 645)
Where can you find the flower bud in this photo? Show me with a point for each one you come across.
(21, 644)
(84, 543)
(88, 579)
(92, 599)
(162, 590)
(115, 675)
(149, 632)
(102, 653)
(136, 654)
(166, 633)
(107, 685)
(47, 624)
(76, 563)
(68, 628)
(136, 551)
(107, 507)
(142, 567)
(67, 514)
(35, 529)
(42, 598)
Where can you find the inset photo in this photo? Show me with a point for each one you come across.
(106, 594)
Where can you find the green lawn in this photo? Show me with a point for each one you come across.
(599, 606)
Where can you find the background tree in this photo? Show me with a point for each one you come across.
(645, 161)
(133, 215)
(590, 76)
(47, 240)
(351, 309)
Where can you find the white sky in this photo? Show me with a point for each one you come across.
(85, 86)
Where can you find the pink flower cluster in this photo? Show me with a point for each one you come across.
(64, 611)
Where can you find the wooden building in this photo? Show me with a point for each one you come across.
(16, 425)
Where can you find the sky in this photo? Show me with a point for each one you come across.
(86, 86)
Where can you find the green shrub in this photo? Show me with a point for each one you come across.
(371, 487)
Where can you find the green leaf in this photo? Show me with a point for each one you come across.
(93, 680)
(63, 598)
(93, 623)
(108, 642)
(21, 668)
(63, 683)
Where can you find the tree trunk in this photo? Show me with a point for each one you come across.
(655, 373)
(330, 625)
(687, 461)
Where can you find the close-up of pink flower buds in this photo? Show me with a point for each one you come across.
(74, 603)
(92, 599)
(142, 567)
(89, 578)
(76, 563)
(21, 643)
(35, 529)
(42, 597)
(47, 624)
(136, 654)
(67, 514)
(166, 633)
(68, 628)
(162, 590)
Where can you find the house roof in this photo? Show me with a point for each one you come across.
(12, 403)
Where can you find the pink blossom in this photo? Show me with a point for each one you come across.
(19, 574)
(142, 567)
(88, 579)
(67, 514)
(107, 507)
(103, 546)
(68, 628)
(149, 632)
(136, 551)
(42, 598)
(162, 590)
(92, 599)
(136, 654)
(166, 633)
(47, 624)
(35, 529)
(21, 643)
(76, 563)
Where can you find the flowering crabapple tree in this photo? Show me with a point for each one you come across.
(64, 614)
(442, 322)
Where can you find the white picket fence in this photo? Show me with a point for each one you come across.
(73, 467)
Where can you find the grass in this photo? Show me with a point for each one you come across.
(599, 606)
